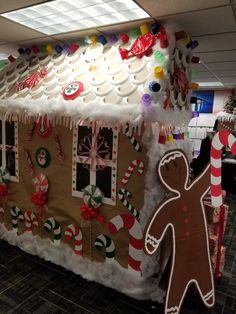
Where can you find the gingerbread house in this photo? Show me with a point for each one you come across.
(82, 129)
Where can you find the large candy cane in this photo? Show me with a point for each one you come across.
(131, 224)
(74, 230)
(52, 224)
(135, 163)
(30, 221)
(133, 140)
(106, 241)
(221, 138)
(16, 215)
(122, 194)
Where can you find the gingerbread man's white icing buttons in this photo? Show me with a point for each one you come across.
(72, 90)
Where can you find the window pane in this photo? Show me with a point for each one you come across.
(82, 176)
(103, 181)
(105, 143)
(0, 131)
(84, 140)
(10, 160)
(10, 133)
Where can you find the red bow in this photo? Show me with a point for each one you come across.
(39, 198)
(3, 189)
(89, 213)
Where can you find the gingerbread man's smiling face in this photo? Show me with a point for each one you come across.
(173, 171)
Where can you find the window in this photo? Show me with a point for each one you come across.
(95, 161)
(9, 148)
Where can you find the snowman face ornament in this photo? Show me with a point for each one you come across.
(43, 157)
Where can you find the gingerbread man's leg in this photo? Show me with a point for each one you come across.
(205, 283)
(176, 291)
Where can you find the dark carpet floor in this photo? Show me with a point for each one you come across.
(29, 284)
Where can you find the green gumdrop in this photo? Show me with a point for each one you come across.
(135, 32)
(159, 56)
(194, 73)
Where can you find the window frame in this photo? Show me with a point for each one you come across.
(76, 158)
(4, 148)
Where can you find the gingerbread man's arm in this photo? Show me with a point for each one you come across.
(202, 183)
(163, 218)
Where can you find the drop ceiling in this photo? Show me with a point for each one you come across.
(211, 22)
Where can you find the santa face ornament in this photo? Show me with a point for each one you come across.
(43, 157)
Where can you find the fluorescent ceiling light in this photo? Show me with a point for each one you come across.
(210, 84)
(62, 16)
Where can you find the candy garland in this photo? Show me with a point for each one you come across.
(74, 230)
(221, 139)
(136, 145)
(60, 154)
(104, 240)
(52, 224)
(133, 164)
(30, 221)
(16, 214)
(128, 222)
(125, 193)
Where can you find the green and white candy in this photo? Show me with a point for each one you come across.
(92, 196)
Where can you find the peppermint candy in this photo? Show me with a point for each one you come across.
(92, 196)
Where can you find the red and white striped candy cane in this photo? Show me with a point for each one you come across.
(30, 221)
(128, 222)
(221, 138)
(134, 164)
(74, 230)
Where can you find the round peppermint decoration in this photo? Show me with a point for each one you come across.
(43, 157)
(92, 196)
(72, 90)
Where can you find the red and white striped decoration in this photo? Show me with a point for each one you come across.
(134, 164)
(128, 222)
(221, 138)
(74, 230)
(30, 221)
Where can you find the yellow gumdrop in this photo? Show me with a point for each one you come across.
(144, 28)
(158, 72)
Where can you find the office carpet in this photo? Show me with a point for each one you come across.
(29, 284)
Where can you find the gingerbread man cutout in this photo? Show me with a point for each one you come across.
(184, 213)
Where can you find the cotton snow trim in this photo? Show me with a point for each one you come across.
(77, 110)
(109, 274)
(224, 116)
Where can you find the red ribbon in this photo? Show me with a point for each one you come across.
(89, 213)
(220, 240)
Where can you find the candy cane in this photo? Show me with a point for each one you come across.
(52, 224)
(105, 240)
(133, 140)
(74, 230)
(135, 163)
(15, 215)
(30, 221)
(131, 224)
(60, 154)
(121, 194)
(29, 161)
(221, 138)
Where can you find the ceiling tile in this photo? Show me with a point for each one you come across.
(17, 32)
(203, 75)
(228, 73)
(231, 65)
(6, 6)
(218, 56)
(229, 79)
(216, 42)
(170, 7)
(211, 78)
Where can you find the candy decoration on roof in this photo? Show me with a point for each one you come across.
(52, 224)
(155, 27)
(11, 58)
(30, 221)
(144, 28)
(128, 222)
(16, 214)
(113, 39)
(220, 139)
(125, 193)
(58, 48)
(73, 47)
(32, 80)
(104, 240)
(21, 50)
(102, 39)
(146, 100)
(135, 32)
(49, 49)
(124, 38)
(35, 49)
(162, 36)
(72, 90)
(141, 46)
(74, 230)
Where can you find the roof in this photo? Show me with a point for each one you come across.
(113, 87)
